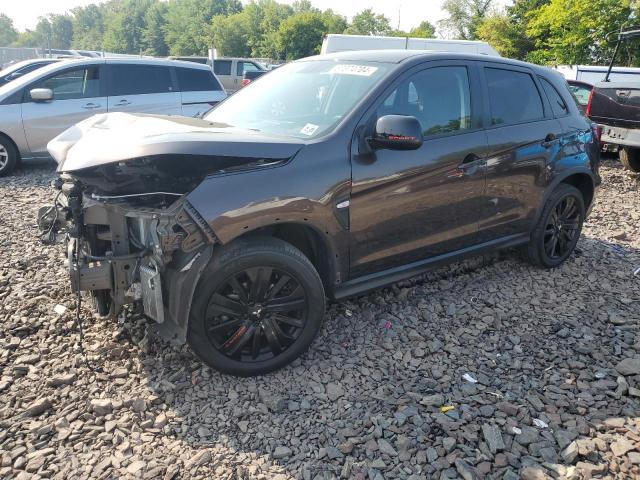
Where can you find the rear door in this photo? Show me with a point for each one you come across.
(78, 93)
(223, 69)
(142, 88)
(199, 90)
(524, 138)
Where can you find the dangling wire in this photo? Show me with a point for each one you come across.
(78, 309)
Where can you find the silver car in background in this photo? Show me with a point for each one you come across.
(38, 106)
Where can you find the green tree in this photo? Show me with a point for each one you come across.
(153, 32)
(503, 33)
(578, 31)
(463, 17)
(124, 24)
(8, 34)
(424, 30)
(334, 22)
(230, 35)
(301, 35)
(88, 27)
(368, 23)
(188, 27)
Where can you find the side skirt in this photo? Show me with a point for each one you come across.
(366, 283)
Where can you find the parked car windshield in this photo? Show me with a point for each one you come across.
(304, 99)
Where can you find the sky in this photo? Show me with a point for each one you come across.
(25, 13)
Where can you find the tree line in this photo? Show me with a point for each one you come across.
(262, 28)
(540, 31)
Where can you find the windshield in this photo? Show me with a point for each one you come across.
(303, 99)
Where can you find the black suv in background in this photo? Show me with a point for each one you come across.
(331, 176)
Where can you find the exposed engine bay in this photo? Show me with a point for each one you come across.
(128, 249)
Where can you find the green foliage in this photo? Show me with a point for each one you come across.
(464, 17)
(88, 27)
(8, 34)
(368, 23)
(424, 30)
(503, 34)
(231, 34)
(301, 34)
(153, 42)
(576, 31)
(187, 30)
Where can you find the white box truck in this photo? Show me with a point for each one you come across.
(346, 43)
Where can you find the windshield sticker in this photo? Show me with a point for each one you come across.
(349, 69)
(309, 129)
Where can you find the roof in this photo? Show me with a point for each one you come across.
(398, 56)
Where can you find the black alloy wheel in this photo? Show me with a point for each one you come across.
(558, 228)
(258, 306)
(256, 314)
(563, 227)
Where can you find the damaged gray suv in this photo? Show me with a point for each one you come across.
(329, 177)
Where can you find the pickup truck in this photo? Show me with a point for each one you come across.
(615, 107)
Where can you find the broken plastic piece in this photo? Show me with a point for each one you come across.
(540, 423)
(469, 378)
(59, 309)
(446, 408)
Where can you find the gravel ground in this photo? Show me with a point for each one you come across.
(484, 369)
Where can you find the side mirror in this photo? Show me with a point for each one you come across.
(41, 94)
(397, 132)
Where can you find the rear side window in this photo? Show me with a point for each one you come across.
(193, 80)
(580, 93)
(139, 79)
(222, 67)
(558, 105)
(513, 96)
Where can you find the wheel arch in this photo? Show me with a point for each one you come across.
(15, 145)
(307, 238)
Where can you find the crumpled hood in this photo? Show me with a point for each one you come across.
(116, 137)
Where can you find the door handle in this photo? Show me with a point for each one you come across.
(91, 106)
(123, 103)
(548, 140)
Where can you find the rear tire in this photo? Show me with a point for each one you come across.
(630, 158)
(257, 307)
(8, 156)
(558, 229)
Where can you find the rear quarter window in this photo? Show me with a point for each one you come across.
(513, 97)
(196, 80)
(131, 79)
(558, 105)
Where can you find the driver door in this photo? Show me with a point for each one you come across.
(407, 206)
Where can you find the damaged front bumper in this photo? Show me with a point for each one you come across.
(143, 251)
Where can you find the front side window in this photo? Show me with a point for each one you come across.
(139, 80)
(438, 97)
(513, 97)
(247, 67)
(302, 99)
(222, 67)
(558, 106)
(73, 84)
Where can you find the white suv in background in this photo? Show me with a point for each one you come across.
(38, 106)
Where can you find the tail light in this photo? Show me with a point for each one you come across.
(245, 82)
(587, 112)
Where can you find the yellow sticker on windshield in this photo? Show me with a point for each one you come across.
(350, 69)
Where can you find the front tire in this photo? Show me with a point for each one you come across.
(257, 307)
(558, 229)
(8, 156)
(630, 158)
